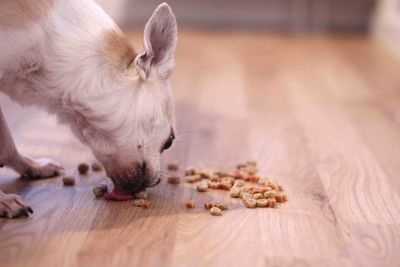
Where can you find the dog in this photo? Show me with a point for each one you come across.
(69, 58)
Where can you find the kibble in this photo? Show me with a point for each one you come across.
(193, 178)
(245, 195)
(146, 205)
(269, 194)
(139, 202)
(174, 180)
(100, 189)
(257, 196)
(271, 203)
(68, 180)
(243, 182)
(190, 204)
(96, 167)
(83, 168)
(202, 187)
(190, 171)
(235, 192)
(239, 183)
(209, 205)
(262, 202)
(141, 195)
(250, 203)
(214, 211)
(173, 167)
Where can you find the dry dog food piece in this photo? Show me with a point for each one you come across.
(96, 167)
(271, 203)
(174, 180)
(245, 195)
(213, 185)
(224, 186)
(202, 187)
(189, 204)
(141, 195)
(146, 204)
(284, 197)
(193, 178)
(209, 205)
(83, 168)
(239, 183)
(215, 178)
(190, 171)
(257, 195)
(235, 192)
(220, 206)
(214, 211)
(204, 174)
(262, 202)
(279, 198)
(250, 203)
(139, 202)
(173, 167)
(68, 180)
(100, 189)
(269, 194)
(221, 174)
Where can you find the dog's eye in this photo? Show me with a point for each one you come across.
(168, 143)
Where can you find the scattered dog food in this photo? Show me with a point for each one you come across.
(235, 192)
(100, 189)
(209, 205)
(83, 168)
(202, 187)
(189, 204)
(190, 171)
(143, 203)
(174, 180)
(193, 178)
(262, 202)
(141, 195)
(96, 167)
(250, 203)
(146, 205)
(214, 211)
(173, 167)
(242, 183)
(68, 180)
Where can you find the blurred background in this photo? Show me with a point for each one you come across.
(381, 18)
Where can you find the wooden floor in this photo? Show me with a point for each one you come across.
(321, 115)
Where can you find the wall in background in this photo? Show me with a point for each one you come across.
(277, 15)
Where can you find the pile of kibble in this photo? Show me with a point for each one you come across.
(243, 182)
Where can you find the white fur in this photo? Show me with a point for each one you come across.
(122, 114)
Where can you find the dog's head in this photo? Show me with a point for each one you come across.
(131, 124)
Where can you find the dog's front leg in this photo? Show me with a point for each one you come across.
(12, 205)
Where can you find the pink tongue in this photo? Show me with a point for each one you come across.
(118, 196)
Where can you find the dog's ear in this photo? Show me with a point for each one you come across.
(160, 36)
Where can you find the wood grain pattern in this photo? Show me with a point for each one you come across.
(320, 115)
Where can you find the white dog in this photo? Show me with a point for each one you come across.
(70, 58)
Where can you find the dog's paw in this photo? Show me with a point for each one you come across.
(12, 206)
(41, 168)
